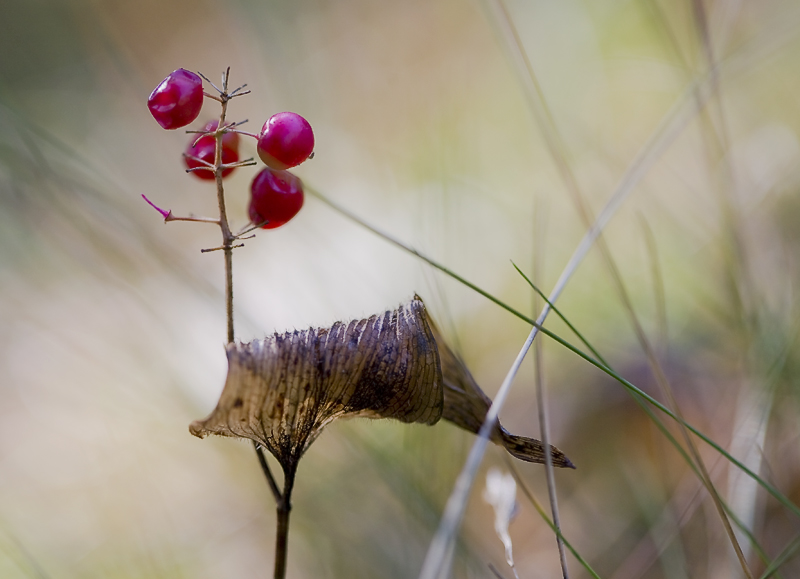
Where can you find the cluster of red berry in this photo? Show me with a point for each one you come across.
(285, 141)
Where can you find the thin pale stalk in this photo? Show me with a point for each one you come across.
(541, 400)
(658, 284)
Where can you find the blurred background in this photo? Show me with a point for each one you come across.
(113, 325)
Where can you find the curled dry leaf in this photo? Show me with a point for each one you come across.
(281, 391)
(466, 405)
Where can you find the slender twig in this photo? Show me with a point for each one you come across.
(205, 78)
(192, 218)
(249, 162)
(221, 248)
(273, 486)
(206, 166)
(227, 236)
(250, 228)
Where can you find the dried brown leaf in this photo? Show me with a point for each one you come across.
(281, 391)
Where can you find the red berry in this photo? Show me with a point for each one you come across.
(286, 140)
(230, 140)
(205, 150)
(177, 101)
(276, 197)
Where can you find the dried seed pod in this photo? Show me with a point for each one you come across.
(281, 391)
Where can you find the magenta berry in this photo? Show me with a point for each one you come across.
(205, 148)
(276, 197)
(177, 101)
(230, 140)
(286, 140)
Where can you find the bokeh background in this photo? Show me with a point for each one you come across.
(112, 324)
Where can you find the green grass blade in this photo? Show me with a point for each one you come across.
(788, 552)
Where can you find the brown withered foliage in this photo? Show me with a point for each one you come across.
(466, 405)
(281, 391)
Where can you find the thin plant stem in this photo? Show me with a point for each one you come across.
(262, 459)
(172, 217)
(541, 401)
(284, 509)
(228, 238)
(658, 284)
(548, 455)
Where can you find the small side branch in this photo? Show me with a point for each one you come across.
(168, 216)
(262, 460)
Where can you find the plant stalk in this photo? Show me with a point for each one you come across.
(284, 509)
(283, 500)
(227, 236)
